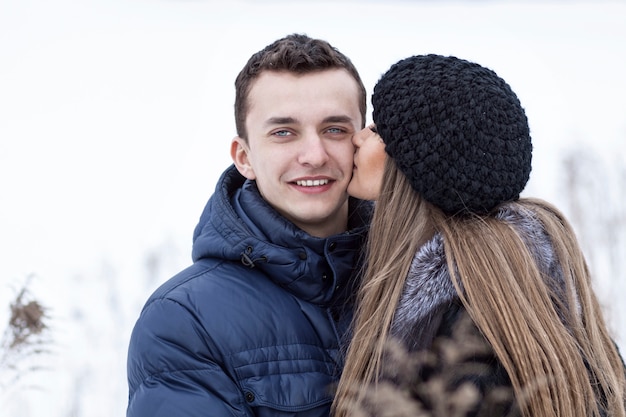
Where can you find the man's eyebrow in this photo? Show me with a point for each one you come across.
(338, 119)
(287, 120)
(280, 121)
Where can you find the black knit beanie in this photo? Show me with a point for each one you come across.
(456, 130)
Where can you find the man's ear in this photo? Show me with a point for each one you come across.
(239, 150)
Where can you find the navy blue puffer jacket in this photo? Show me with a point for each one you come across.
(254, 326)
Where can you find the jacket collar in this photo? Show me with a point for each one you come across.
(238, 225)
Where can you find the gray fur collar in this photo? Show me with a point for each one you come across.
(429, 292)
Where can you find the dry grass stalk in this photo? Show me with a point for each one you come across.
(24, 338)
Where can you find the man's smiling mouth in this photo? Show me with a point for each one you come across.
(312, 183)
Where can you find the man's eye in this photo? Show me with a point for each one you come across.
(282, 133)
(336, 130)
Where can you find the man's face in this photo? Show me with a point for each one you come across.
(299, 147)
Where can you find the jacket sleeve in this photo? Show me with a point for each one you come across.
(172, 368)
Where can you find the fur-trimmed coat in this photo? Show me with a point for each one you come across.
(441, 349)
(429, 295)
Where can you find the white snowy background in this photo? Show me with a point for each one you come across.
(116, 118)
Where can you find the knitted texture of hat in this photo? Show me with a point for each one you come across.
(456, 130)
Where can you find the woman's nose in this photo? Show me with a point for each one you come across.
(357, 138)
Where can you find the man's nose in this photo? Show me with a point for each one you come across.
(313, 151)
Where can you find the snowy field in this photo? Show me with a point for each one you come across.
(116, 119)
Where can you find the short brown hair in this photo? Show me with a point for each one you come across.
(295, 53)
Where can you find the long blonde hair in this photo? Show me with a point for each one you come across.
(558, 367)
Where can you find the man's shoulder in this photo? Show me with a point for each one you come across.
(205, 278)
(219, 302)
(202, 295)
(213, 284)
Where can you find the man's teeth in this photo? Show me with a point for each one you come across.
(311, 183)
